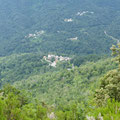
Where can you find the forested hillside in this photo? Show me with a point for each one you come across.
(31, 72)
(69, 27)
(65, 85)
(60, 93)
(55, 61)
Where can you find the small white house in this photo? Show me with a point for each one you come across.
(68, 20)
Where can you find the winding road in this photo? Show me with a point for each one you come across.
(115, 39)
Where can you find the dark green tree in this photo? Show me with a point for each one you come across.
(110, 82)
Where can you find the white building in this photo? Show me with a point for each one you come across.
(53, 64)
(68, 20)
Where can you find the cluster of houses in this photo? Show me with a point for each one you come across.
(74, 39)
(53, 59)
(36, 34)
(68, 20)
(83, 13)
(78, 14)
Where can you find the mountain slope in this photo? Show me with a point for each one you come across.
(64, 86)
(70, 27)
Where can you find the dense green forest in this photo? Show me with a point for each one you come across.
(62, 27)
(55, 61)
(90, 91)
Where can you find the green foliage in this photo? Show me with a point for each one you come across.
(107, 97)
(111, 111)
(73, 111)
(65, 85)
(11, 108)
(109, 87)
(17, 67)
(22, 18)
(79, 60)
(116, 53)
(2, 104)
(60, 90)
(110, 83)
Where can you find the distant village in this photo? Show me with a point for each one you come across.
(84, 13)
(36, 34)
(68, 20)
(81, 13)
(53, 59)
